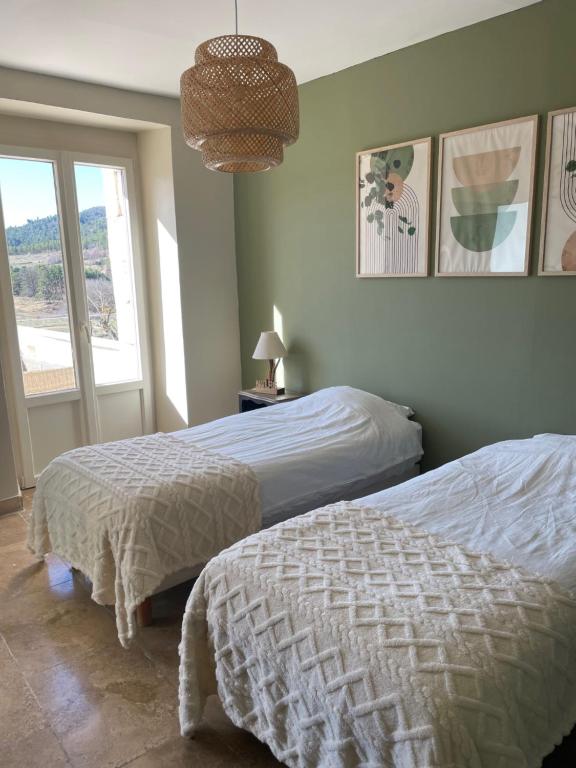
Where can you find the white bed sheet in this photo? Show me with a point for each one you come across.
(515, 500)
(330, 445)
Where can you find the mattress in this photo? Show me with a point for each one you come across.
(336, 443)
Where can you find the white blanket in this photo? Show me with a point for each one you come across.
(335, 444)
(129, 513)
(347, 637)
(515, 499)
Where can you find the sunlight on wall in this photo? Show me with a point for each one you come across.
(279, 328)
(175, 374)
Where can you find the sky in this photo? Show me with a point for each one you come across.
(27, 189)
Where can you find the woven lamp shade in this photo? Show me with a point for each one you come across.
(239, 104)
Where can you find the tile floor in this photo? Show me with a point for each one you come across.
(71, 696)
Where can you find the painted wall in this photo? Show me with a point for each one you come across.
(204, 234)
(55, 135)
(480, 359)
(163, 270)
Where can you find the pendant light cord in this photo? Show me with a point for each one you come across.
(236, 14)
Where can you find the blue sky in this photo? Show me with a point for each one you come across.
(27, 189)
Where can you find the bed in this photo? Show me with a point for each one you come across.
(138, 516)
(430, 625)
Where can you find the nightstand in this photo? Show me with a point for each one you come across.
(248, 400)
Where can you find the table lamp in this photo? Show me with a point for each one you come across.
(269, 348)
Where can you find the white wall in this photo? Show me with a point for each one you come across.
(163, 270)
(51, 134)
(204, 231)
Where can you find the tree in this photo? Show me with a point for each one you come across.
(102, 308)
(16, 278)
(51, 282)
(43, 235)
(29, 281)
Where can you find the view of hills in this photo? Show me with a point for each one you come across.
(38, 277)
(42, 235)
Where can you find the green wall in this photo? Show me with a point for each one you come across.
(480, 359)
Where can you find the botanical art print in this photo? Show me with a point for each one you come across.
(393, 187)
(485, 189)
(558, 245)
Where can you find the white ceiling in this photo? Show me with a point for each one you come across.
(144, 45)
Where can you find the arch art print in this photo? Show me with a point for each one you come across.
(558, 231)
(485, 192)
(392, 210)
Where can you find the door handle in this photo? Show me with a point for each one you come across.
(85, 328)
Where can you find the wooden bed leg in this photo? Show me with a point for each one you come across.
(144, 613)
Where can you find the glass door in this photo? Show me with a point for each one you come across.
(38, 276)
(104, 226)
(74, 331)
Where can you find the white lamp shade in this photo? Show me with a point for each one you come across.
(269, 347)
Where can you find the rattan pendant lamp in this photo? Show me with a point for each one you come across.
(239, 104)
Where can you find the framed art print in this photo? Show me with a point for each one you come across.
(558, 230)
(485, 193)
(392, 210)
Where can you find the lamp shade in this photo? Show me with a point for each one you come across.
(269, 347)
(239, 104)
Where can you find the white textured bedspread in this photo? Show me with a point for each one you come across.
(347, 637)
(129, 513)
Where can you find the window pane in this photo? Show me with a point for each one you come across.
(108, 269)
(32, 224)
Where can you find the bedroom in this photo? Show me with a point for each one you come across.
(219, 258)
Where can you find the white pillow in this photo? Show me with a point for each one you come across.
(351, 395)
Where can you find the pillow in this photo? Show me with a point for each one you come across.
(372, 403)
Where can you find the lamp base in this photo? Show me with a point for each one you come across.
(268, 387)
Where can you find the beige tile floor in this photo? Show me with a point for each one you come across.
(71, 696)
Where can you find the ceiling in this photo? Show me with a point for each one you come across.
(144, 45)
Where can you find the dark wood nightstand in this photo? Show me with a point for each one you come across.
(248, 400)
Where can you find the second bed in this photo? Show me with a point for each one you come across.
(432, 624)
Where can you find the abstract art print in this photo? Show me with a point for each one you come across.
(392, 210)
(485, 191)
(558, 231)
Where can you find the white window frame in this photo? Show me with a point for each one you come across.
(86, 390)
